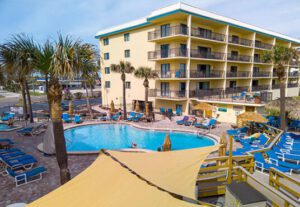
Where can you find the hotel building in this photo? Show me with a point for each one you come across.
(200, 57)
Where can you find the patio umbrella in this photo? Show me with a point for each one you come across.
(246, 117)
(203, 107)
(294, 115)
(137, 106)
(112, 106)
(291, 104)
(48, 140)
(167, 143)
(70, 107)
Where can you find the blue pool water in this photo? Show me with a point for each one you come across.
(5, 127)
(117, 136)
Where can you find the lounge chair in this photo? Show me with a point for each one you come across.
(178, 111)
(170, 112)
(260, 163)
(6, 151)
(182, 121)
(273, 157)
(132, 114)
(294, 125)
(77, 119)
(19, 165)
(66, 118)
(162, 110)
(28, 176)
(6, 140)
(241, 96)
(116, 117)
(191, 121)
(8, 116)
(25, 131)
(138, 117)
(209, 125)
(11, 155)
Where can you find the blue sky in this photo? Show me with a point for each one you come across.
(83, 18)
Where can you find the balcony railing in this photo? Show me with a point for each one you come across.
(294, 74)
(276, 76)
(240, 41)
(263, 45)
(237, 89)
(207, 55)
(172, 74)
(167, 94)
(241, 58)
(208, 74)
(171, 53)
(260, 87)
(262, 74)
(207, 35)
(276, 86)
(239, 74)
(202, 93)
(171, 31)
(292, 85)
(294, 63)
(259, 60)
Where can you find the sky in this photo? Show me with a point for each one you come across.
(83, 18)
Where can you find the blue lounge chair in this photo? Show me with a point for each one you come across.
(261, 164)
(170, 112)
(6, 140)
(241, 96)
(211, 124)
(6, 151)
(162, 110)
(16, 159)
(116, 117)
(138, 117)
(66, 118)
(178, 111)
(11, 155)
(19, 165)
(273, 157)
(191, 121)
(28, 176)
(294, 125)
(8, 116)
(132, 114)
(25, 131)
(182, 121)
(77, 119)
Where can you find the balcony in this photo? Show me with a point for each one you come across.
(208, 74)
(172, 74)
(294, 74)
(167, 94)
(171, 31)
(262, 74)
(207, 55)
(262, 45)
(276, 76)
(240, 41)
(259, 60)
(293, 85)
(294, 63)
(171, 53)
(239, 74)
(239, 58)
(203, 93)
(260, 87)
(237, 89)
(207, 35)
(276, 86)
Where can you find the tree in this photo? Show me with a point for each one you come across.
(281, 56)
(123, 67)
(146, 73)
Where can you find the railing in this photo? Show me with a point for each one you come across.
(261, 87)
(206, 93)
(207, 55)
(171, 53)
(276, 86)
(261, 74)
(170, 31)
(292, 85)
(241, 74)
(209, 74)
(242, 58)
(294, 74)
(276, 76)
(240, 41)
(259, 60)
(208, 35)
(167, 94)
(294, 63)
(263, 45)
(237, 89)
(172, 74)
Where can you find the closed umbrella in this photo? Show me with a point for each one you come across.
(112, 106)
(137, 106)
(167, 143)
(70, 107)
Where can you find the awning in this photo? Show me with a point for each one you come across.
(108, 183)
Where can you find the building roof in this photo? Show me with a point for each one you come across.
(185, 8)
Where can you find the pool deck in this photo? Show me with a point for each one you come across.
(77, 163)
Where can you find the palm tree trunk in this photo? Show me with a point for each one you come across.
(47, 86)
(29, 102)
(55, 95)
(123, 77)
(88, 100)
(282, 105)
(24, 100)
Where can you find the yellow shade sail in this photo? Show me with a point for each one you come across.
(174, 171)
(109, 183)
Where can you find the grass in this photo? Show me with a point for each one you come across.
(36, 94)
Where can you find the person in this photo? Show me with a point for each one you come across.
(108, 115)
(10, 122)
(133, 145)
(159, 149)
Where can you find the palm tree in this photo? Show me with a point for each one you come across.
(146, 73)
(281, 56)
(123, 67)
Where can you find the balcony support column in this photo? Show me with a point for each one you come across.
(188, 65)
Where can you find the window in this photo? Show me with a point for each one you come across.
(106, 56)
(107, 70)
(127, 53)
(165, 30)
(127, 85)
(107, 84)
(106, 41)
(126, 37)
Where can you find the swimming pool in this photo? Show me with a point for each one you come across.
(5, 127)
(120, 136)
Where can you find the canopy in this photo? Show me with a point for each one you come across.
(203, 106)
(108, 183)
(250, 117)
(291, 104)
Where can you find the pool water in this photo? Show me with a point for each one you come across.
(5, 127)
(118, 136)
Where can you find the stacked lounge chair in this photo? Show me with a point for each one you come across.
(211, 123)
(66, 118)
(137, 117)
(77, 119)
(7, 116)
(263, 165)
(132, 114)
(182, 121)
